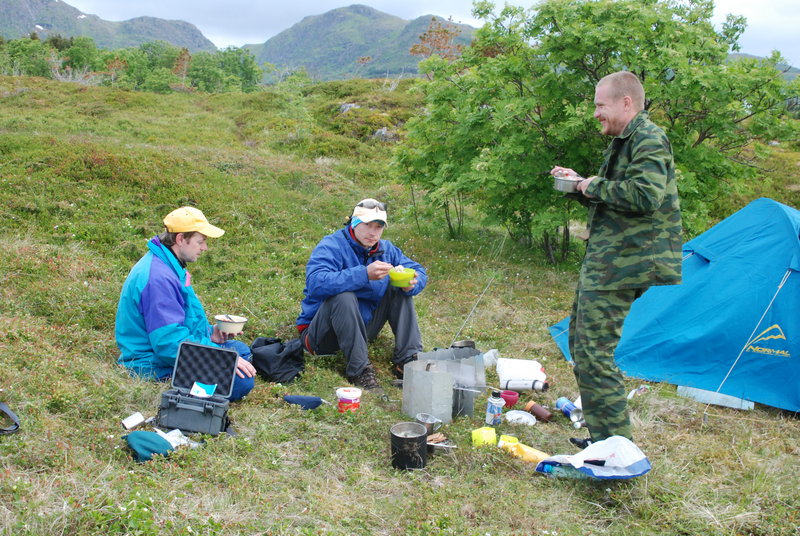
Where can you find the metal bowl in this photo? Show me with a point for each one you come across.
(566, 184)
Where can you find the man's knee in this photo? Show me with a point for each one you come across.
(345, 299)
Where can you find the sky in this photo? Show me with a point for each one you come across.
(771, 24)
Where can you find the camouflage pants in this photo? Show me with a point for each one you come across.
(595, 328)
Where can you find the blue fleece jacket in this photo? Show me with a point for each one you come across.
(158, 310)
(339, 264)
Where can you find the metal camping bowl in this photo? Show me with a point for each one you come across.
(566, 184)
(463, 344)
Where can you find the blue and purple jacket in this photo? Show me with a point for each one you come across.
(339, 264)
(158, 310)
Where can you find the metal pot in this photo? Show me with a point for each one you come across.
(566, 184)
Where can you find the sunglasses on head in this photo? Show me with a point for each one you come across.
(372, 204)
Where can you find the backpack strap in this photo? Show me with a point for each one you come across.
(11, 429)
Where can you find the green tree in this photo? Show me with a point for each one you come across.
(519, 100)
(26, 56)
(231, 69)
(160, 80)
(83, 54)
(205, 73)
(241, 69)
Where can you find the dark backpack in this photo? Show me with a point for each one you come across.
(276, 361)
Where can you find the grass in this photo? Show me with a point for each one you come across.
(86, 174)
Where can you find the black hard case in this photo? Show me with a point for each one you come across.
(204, 364)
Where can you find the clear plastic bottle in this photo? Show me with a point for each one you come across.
(566, 471)
(494, 409)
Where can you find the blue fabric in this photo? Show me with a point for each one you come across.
(560, 334)
(241, 386)
(339, 264)
(691, 334)
(158, 309)
(305, 402)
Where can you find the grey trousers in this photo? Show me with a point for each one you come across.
(338, 326)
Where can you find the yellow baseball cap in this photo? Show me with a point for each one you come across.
(189, 219)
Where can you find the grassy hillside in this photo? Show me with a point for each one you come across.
(88, 173)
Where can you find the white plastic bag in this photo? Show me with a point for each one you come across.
(620, 456)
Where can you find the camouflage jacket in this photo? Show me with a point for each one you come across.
(634, 215)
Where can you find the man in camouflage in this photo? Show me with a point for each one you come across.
(634, 242)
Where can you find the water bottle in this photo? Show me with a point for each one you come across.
(566, 471)
(494, 409)
(525, 385)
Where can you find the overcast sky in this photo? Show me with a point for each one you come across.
(771, 24)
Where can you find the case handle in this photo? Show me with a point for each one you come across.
(13, 416)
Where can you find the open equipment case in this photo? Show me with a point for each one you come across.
(210, 365)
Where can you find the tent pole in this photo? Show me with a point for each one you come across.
(750, 338)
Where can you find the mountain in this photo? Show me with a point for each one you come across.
(789, 72)
(49, 17)
(329, 45)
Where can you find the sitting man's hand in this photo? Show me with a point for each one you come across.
(378, 270)
(411, 284)
(245, 368)
(218, 337)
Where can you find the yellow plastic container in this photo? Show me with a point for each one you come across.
(484, 436)
(505, 439)
(524, 452)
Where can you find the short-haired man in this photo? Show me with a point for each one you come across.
(348, 298)
(158, 308)
(634, 243)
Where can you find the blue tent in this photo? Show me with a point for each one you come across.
(733, 326)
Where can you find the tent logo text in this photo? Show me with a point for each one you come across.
(771, 333)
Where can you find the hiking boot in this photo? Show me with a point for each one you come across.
(366, 380)
(397, 368)
(581, 442)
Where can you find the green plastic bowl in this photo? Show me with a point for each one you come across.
(399, 278)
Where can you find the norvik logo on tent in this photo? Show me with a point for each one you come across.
(771, 333)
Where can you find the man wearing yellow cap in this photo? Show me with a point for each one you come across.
(158, 308)
(348, 298)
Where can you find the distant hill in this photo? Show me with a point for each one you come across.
(790, 72)
(19, 18)
(329, 45)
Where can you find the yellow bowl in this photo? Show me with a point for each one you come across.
(401, 278)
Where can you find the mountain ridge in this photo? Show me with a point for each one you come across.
(51, 17)
(316, 43)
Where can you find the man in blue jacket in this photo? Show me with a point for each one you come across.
(158, 308)
(348, 298)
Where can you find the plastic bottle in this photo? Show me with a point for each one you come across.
(523, 452)
(526, 385)
(566, 471)
(494, 409)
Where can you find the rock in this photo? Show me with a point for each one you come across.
(384, 134)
